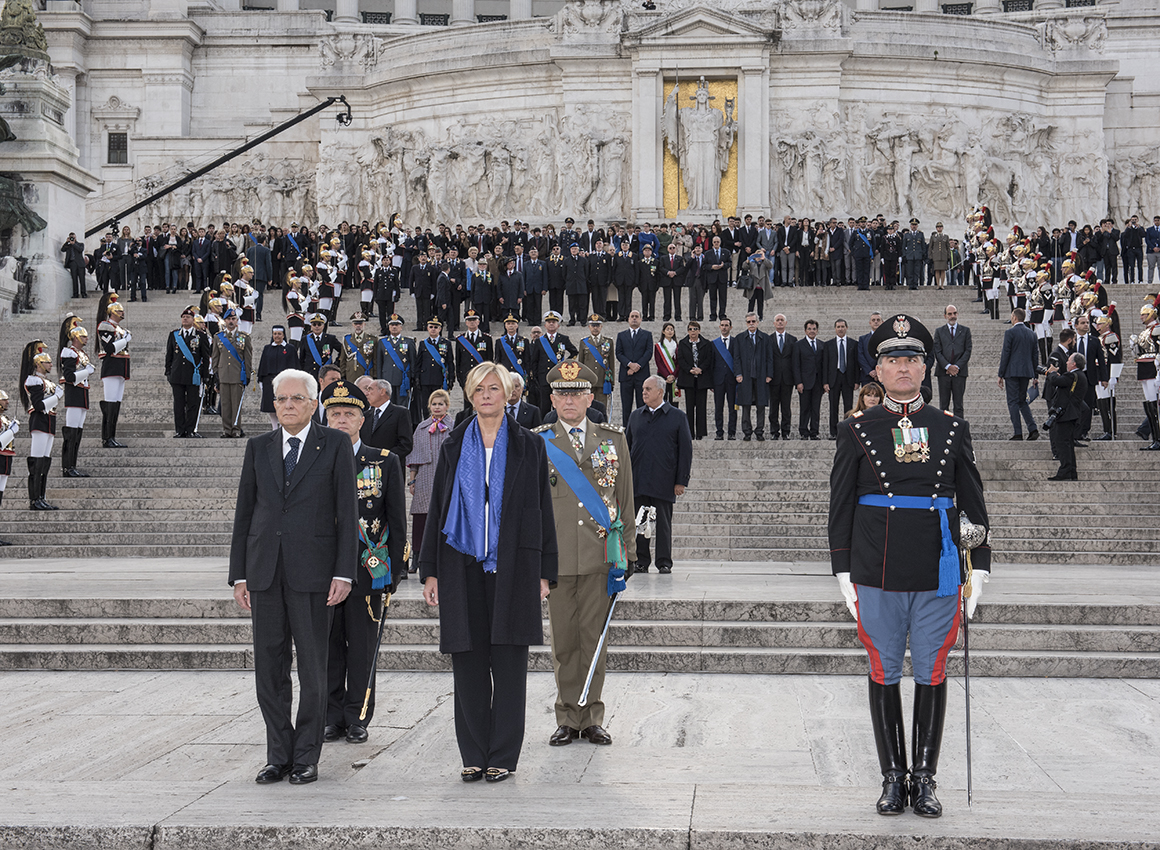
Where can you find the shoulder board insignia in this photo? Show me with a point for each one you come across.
(609, 427)
(384, 452)
(948, 413)
(857, 414)
(541, 428)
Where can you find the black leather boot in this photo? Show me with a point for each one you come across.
(33, 485)
(44, 467)
(930, 710)
(78, 435)
(115, 410)
(890, 738)
(106, 424)
(1154, 427)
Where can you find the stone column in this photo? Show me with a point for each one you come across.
(867, 5)
(994, 7)
(753, 140)
(462, 13)
(1044, 5)
(346, 12)
(406, 12)
(648, 202)
(287, 5)
(926, 6)
(520, 10)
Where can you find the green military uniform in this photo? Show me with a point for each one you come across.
(578, 605)
(603, 368)
(358, 345)
(233, 377)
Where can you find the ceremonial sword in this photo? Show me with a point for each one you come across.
(375, 659)
(583, 701)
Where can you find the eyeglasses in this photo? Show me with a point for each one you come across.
(288, 399)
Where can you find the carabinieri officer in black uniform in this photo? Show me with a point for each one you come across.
(903, 471)
(382, 519)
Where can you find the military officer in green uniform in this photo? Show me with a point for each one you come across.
(598, 353)
(591, 480)
(359, 348)
(382, 520)
(232, 358)
(903, 473)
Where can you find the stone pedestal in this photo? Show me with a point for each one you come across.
(43, 162)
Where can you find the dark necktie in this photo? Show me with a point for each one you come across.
(375, 419)
(291, 459)
(1083, 346)
(780, 342)
(841, 355)
(511, 409)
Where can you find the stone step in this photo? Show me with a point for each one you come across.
(1010, 555)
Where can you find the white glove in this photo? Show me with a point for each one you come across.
(50, 402)
(7, 436)
(849, 593)
(978, 579)
(121, 344)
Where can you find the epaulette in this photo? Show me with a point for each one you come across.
(617, 428)
(539, 429)
(948, 413)
(856, 413)
(384, 452)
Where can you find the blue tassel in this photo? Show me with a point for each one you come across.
(948, 561)
(380, 582)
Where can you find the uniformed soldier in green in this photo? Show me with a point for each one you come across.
(360, 348)
(232, 356)
(596, 531)
(382, 532)
(598, 353)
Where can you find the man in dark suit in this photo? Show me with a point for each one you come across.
(695, 283)
(715, 273)
(382, 510)
(385, 425)
(867, 368)
(782, 345)
(952, 354)
(839, 373)
(807, 376)
(74, 260)
(200, 277)
(1017, 367)
(634, 352)
(752, 369)
(671, 276)
(724, 381)
(187, 352)
(262, 261)
(1068, 399)
(1096, 371)
(292, 558)
(661, 448)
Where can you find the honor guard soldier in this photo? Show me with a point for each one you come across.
(547, 352)
(40, 396)
(472, 347)
(187, 355)
(1146, 346)
(114, 356)
(358, 349)
(512, 350)
(8, 429)
(318, 348)
(232, 357)
(904, 475)
(598, 353)
(592, 499)
(396, 363)
(434, 366)
(75, 369)
(382, 517)
(1108, 325)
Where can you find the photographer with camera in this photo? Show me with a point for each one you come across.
(1069, 388)
(74, 260)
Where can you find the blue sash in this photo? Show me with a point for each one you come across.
(470, 275)
(229, 346)
(469, 348)
(405, 386)
(599, 359)
(438, 358)
(577, 480)
(949, 576)
(188, 355)
(511, 356)
(362, 363)
(548, 348)
(867, 241)
(252, 239)
(290, 236)
(313, 350)
(724, 352)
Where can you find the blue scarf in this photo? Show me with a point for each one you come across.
(465, 518)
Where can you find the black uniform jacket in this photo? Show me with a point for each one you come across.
(527, 545)
(382, 505)
(897, 549)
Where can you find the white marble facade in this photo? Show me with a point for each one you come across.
(1045, 115)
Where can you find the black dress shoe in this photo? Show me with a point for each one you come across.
(1059, 477)
(1104, 438)
(39, 505)
(563, 736)
(732, 436)
(333, 733)
(356, 735)
(813, 436)
(746, 438)
(664, 570)
(922, 798)
(73, 472)
(180, 436)
(773, 437)
(196, 436)
(272, 773)
(1079, 445)
(597, 735)
(719, 437)
(1033, 436)
(497, 774)
(303, 774)
(1017, 438)
(471, 774)
(640, 568)
(761, 438)
(895, 793)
